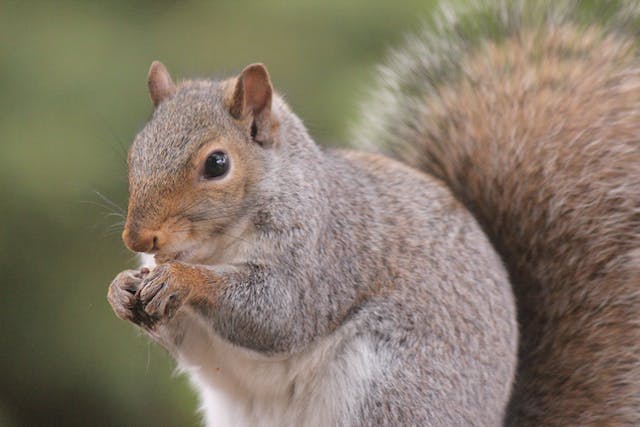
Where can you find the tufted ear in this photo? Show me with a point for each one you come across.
(159, 82)
(252, 98)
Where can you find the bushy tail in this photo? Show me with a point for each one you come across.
(530, 112)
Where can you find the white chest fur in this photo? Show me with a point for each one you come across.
(238, 387)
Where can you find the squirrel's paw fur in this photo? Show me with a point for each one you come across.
(163, 292)
(122, 292)
(146, 297)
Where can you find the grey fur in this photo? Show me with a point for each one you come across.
(342, 247)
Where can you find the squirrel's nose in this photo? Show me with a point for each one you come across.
(140, 240)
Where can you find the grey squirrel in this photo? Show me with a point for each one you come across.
(303, 286)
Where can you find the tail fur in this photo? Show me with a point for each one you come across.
(530, 112)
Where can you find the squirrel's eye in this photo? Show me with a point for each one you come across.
(216, 165)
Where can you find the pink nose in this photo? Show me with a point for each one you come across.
(142, 240)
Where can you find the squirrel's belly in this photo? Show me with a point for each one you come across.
(238, 387)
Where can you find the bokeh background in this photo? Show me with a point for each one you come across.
(72, 96)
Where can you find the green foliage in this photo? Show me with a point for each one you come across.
(72, 95)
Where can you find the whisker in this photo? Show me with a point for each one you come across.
(109, 202)
(116, 214)
(100, 205)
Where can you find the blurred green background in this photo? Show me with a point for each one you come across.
(72, 96)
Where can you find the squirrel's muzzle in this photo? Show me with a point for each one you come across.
(140, 240)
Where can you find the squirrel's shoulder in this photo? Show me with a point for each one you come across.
(398, 190)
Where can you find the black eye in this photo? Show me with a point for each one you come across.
(216, 165)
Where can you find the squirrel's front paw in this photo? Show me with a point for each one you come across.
(162, 293)
(122, 294)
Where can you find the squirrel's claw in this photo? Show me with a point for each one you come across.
(121, 294)
(160, 294)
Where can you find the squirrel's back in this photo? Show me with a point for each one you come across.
(530, 113)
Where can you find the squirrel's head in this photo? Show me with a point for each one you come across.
(195, 166)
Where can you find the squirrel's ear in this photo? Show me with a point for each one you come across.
(252, 97)
(159, 82)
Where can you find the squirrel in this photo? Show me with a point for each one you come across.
(483, 268)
